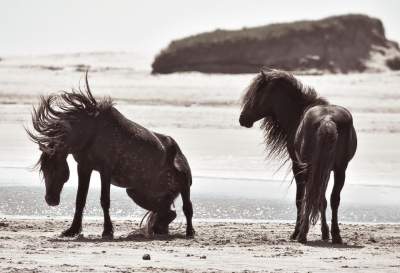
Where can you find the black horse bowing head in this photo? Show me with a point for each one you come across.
(149, 165)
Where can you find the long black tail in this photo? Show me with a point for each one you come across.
(319, 170)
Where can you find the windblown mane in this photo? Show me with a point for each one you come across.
(275, 136)
(52, 118)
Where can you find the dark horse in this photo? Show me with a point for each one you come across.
(318, 138)
(149, 165)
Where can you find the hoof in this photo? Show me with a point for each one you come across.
(302, 239)
(325, 237)
(190, 233)
(107, 235)
(294, 236)
(337, 240)
(161, 230)
(71, 232)
(161, 233)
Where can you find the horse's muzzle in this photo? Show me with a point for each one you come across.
(244, 122)
(51, 201)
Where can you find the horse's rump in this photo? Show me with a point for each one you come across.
(318, 170)
(175, 158)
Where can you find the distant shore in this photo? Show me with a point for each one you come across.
(34, 245)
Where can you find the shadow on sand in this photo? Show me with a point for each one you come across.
(133, 236)
(328, 244)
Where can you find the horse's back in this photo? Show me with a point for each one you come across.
(149, 153)
(340, 115)
(164, 143)
(132, 129)
(132, 153)
(328, 115)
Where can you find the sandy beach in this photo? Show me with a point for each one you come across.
(28, 245)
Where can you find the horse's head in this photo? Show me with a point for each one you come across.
(63, 123)
(257, 102)
(55, 170)
(276, 93)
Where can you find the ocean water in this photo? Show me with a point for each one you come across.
(232, 178)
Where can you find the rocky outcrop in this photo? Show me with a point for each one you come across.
(339, 44)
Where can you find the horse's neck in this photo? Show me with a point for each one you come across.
(289, 118)
(81, 134)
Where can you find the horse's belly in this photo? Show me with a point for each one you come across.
(128, 181)
(130, 173)
(122, 183)
(151, 199)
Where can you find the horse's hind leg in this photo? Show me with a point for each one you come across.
(324, 224)
(141, 201)
(164, 215)
(187, 210)
(161, 213)
(340, 175)
(305, 224)
(163, 218)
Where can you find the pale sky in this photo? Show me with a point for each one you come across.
(58, 26)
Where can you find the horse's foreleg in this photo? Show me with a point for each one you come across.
(108, 231)
(340, 176)
(83, 186)
(324, 224)
(187, 210)
(299, 197)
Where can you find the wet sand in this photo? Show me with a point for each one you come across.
(35, 246)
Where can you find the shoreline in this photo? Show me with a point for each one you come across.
(180, 220)
(258, 203)
(35, 246)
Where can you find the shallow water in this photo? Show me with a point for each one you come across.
(232, 179)
(29, 201)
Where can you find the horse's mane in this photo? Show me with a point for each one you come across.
(53, 117)
(275, 136)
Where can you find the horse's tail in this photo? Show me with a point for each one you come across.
(176, 158)
(182, 166)
(319, 171)
(171, 150)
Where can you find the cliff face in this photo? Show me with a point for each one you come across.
(337, 44)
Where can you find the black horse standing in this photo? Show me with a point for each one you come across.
(318, 137)
(149, 165)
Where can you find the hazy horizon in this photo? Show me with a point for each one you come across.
(50, 27)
